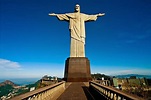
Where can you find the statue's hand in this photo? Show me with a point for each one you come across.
(101, 14)
(52, 14)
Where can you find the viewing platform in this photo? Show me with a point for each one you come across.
(77, 91)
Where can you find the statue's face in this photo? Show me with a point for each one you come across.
(77, 8)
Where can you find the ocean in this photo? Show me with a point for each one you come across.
(22, 81)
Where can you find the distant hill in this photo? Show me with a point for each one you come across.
(137, 75)
(8, 87)
(99, 76)
(8, 82)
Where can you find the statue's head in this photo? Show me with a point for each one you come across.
(77, 8)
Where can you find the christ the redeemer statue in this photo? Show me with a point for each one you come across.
(77, 29)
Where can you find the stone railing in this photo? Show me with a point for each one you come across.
(111, 93)
(46, 93)
(103, 82)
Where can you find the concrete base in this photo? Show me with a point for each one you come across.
(77, 69)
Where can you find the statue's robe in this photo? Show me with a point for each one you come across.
(77, 31)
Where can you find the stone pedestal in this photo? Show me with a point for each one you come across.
(77, 69)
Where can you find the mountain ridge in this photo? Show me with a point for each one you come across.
(137, 75)
(8, 82)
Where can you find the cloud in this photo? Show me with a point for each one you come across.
(11, 69)
(130, 41)
(129, 71)
(135, 71)
(50, 69)
(142, 36)
(137, 38)
(120, 70)
(126, 71)
(7, 64)
(148, 31)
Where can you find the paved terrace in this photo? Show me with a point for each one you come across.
(78, 91)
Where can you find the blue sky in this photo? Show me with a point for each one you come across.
(33, 44)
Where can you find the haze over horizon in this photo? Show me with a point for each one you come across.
(33, 44)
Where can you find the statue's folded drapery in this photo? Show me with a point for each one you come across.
(77, 31)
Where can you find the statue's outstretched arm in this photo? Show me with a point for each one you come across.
(101, 14)
(52, 14)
